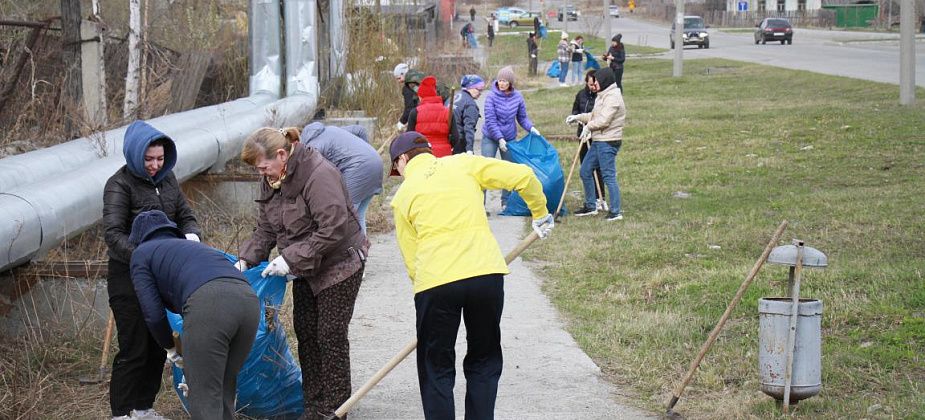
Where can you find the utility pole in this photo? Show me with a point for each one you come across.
(678, 41)
(608, 30)
(133, 75)
(70, 56)
(907, 53)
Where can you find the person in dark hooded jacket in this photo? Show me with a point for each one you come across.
(466, 111)
(146, 182)
(220, 310)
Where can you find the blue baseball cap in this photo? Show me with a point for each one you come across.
(402, 144)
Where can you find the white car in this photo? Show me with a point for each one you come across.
(614, 11)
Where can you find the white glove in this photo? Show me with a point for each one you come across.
(585, 134)
(175, 358)
(241, 265)
(183, 387)
(532, 55)
(192, 237)
(399, 126)
(535, 131)
(277, 267)
(502, 144)
(571, 119)
(544, 225)
(468, 152)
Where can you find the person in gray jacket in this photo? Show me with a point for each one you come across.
(357, 161)
(467, 111)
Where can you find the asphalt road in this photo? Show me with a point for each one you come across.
(860, 55)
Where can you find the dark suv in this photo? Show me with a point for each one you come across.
(695, 32)
(774, 29)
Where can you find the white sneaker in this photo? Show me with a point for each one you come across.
(148, 414)
(122, 418)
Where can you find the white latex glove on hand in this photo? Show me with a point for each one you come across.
(192, 237)
(544, 225)
(468, 152)
(241, 265)
(175, 358)
(571, 119)
(535, 131)
(277, 267)
(585, 134)
(183, 387)
(399, 126)
(502, 144)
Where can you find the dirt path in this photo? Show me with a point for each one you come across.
(546, 374)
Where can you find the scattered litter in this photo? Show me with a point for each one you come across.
(810, 147)
(677, 141)
(751, 155)
(745, 131)
(701, 147)
(693, 256)
(716, 247)
(874, 408)
(845, 127)
(681, 194)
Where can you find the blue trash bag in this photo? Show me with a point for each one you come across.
(270, 382)
(473, 43)
(535, 152)
(543, 32)
(591, 62)
(554, 69)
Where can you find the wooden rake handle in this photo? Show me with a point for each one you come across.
(395, 360)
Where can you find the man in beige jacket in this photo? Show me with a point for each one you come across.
(603, 126)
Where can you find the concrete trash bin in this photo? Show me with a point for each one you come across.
(773, 328)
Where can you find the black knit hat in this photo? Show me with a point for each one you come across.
(617, 38)
(149, 222)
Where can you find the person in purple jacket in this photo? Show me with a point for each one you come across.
(504, 109)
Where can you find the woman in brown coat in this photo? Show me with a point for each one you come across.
(305, 212)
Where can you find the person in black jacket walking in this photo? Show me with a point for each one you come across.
(145, 182)
(220, 310)
(532, 51)
(584, 103)
(616, 55)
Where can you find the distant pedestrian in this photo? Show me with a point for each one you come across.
(603, 126)
(219, 307)
(532, 51)
(491, 31)
(467, 112)
(432, 119)
(456, 267)
(409, 80)
(536, 24)
(616, 55)
(472, 14)
(584, 103)
(578, 57)
(563, 57)
(504, 110)
(357, 161)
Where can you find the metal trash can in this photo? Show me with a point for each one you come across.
(773, 326)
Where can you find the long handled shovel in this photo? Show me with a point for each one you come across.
(568, 179)
(104, 358)
(722, 321)
(372, 382)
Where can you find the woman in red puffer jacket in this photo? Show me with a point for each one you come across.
(432, 119)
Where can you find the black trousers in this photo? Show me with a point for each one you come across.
(479, 301)
(596, 173)
(532, 70)
(619, 82)
(139, 364)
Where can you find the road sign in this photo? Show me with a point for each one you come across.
(743, 6)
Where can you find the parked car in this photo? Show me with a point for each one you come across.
(614, 11)
(774, 29)
(504, 14)
(694, 33)
(524, 19)
(569, 12)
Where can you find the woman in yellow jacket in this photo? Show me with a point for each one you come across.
(456, 266)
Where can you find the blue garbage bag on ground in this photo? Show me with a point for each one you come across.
(473, 43)
(543, 32)
(535, 152)
(270, 382)
(554, 69)
(591, 62)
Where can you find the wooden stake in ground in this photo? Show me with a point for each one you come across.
(722, 320)
(104, 357)
(397, 359)
(792, 333)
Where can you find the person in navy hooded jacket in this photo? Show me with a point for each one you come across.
(146, 182)
(220, 310)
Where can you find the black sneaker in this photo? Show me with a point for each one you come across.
(614, 216)
(586, 211)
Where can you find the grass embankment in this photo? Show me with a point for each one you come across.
(752, 145)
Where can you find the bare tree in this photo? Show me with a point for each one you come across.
(133, 76)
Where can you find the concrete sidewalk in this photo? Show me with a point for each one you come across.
(546, 375)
